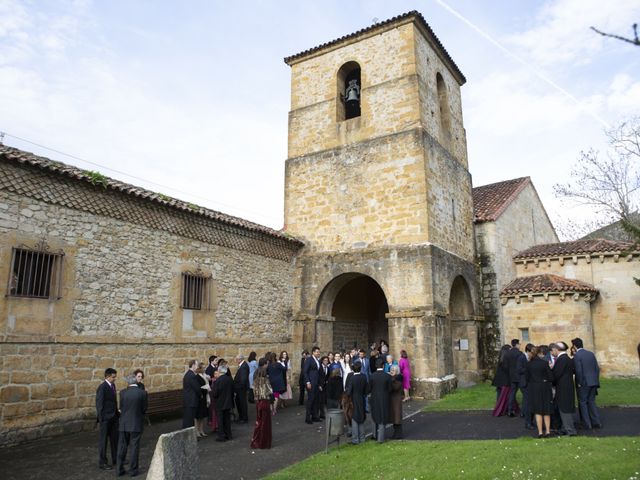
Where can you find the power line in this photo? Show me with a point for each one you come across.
(4, 133)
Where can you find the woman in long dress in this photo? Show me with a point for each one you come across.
(405, 371)
(262, 392)
(276, 373)
(539, 380)
(203, 405)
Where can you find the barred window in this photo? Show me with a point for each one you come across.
(35, 273)
(195, 291)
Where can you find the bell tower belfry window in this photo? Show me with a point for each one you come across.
(349, 92)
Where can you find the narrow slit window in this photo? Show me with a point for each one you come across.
(35, 274)
(195, 291)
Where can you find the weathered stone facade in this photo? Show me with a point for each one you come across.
(120, 293)
(384, 199)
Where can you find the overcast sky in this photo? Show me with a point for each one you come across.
(190, 98)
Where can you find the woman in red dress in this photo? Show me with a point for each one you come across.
(263, 393)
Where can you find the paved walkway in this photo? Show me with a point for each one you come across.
(75, 456)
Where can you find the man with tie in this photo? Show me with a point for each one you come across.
(587, 384)
(107, 418)
(301, 384)
(311, 375)
(133, 406)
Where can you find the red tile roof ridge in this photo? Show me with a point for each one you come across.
(546, 283)
(576, 247)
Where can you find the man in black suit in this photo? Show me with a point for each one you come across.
(380, 386)
(191, 394)
(565, 399)
(133, 406)
(587, 384)
(524, 387)
(301, 384)
(107, 418)
(517, 369)
(222, 392)
(356, 388)
(311, 374)
(241, 388)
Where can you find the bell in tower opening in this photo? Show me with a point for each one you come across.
(352, 99)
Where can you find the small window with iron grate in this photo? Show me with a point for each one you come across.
(195, 292)
(35, 273)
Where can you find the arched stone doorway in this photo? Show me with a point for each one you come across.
(464, 331)
(358, 306)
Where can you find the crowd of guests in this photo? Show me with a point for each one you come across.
(357, 382)
(549, 377)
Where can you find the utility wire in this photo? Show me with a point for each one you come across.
(80, 159)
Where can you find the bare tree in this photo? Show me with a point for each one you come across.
(610, 183)
(634, 41)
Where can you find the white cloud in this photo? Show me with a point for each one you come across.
(561, 33)
(624, 95)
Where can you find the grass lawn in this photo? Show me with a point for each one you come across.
(525, 458)
(613, 391)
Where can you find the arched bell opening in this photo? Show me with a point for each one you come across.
(349, 91)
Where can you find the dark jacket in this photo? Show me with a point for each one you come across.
(106, 404)
(357, 389)
(222, 392)
(241, 380)
(276, 372)
(334, 391)
(395, 403)
(587, 369)
(133, 406)
(501, 379)
(310, 372)
(380, 389)
(191, 392)
(516, 370)
(563, 380)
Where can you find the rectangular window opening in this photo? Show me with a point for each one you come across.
(195, 291)
(524, 334)
(35, 274)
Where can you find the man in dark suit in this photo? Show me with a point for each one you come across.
(565, 399)
(356, 388)
(524, 387)
(380, 386)
(241, 389)
(191, 394)
(587, 384)
(107, 418)
(133, 406)
(516, 372)
(222, 393)
(301, 384)
(311, 375)
(323, 380)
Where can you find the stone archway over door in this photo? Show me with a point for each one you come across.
(358, 307)
(464, 332)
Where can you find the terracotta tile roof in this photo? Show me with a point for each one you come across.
(489, 201)
(546, 283)
(384, 25)
(110, 197)
(577, 247)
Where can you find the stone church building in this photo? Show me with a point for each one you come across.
(384, 237)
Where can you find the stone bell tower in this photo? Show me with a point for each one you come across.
(377, 186)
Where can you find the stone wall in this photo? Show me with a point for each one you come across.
(120, 307)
